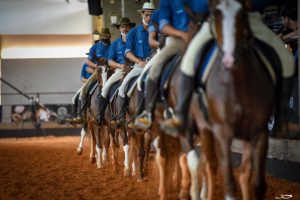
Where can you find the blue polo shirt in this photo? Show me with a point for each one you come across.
(98, 50)
(173, 12)
(84, 73)
(116, 52)
(137, 42)
(154, 19)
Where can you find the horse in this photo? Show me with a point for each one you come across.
(99, 135)
(240, 97)
(136, 144)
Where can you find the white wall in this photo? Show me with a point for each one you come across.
(44, 17)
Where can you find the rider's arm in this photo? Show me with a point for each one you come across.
(83, 80)
(129, 48)
(152, 40)
(91, 64)
(171, 31)
(135, 59)
(114, 65)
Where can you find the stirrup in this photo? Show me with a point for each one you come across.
(172, 126)
(77, 120)
(143, 121)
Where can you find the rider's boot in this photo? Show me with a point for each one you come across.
(102, 107)
(141, 106)
(77, 117)
(175, 125)
(144, 120)
(121, 103)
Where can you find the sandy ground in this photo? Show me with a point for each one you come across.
(49, 168)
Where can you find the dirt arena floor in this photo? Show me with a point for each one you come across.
(49, 168)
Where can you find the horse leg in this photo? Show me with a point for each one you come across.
(260, 153)
(209, 162)
(245, 172)
(148, 140)
(113, 149)
(82, 136)
(224, 138)
(126, 152)
(193, 164)
(132, 152)
(161, 162)
(105, 144)
(141, 155)
(99, 148)
(185, 178)
(93, 142)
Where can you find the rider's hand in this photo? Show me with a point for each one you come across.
(142, 63)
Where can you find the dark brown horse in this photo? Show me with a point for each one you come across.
(240, 96)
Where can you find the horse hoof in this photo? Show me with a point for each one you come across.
(126, 172)
(92, 160)
(79, 151)
(140, 180)
(99, 166)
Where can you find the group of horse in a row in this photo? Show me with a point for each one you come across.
(239, 101)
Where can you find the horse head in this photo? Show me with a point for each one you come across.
(230, 26)
(103, 71)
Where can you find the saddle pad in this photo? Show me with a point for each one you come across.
(114, 90)
(208, 56)
(92, 87)
(131, 85)
(166, 74)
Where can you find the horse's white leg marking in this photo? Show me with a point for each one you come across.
(193, 163)
(98, 157)
(203, 193)
(133, 168)
(82, 135)
(229, 197)
(126, 160)
(104, 154)
(126, 152)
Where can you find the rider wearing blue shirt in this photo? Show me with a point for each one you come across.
(137, 51)
(97, 55)
(174, 22)
(186, 79)
(116, 61)
(85, 72)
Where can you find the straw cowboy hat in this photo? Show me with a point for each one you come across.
(124, 21)
(147, 6)
(105, 32)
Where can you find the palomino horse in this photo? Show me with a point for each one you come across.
(240, 97)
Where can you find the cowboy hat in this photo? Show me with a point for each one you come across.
(147, 6)
(124, 21)
(105, 32)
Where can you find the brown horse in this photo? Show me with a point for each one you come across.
(240, 96)
(99, 134)
(140, 141)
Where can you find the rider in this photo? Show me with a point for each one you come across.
(260, 31)
(86, 72)
(116, 61)
(137, 51)
(174, 22)
(98, 54)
